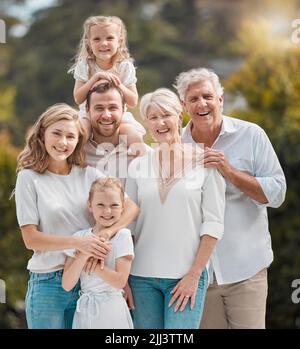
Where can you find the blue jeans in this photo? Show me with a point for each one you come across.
(48, 305)
(151, 298)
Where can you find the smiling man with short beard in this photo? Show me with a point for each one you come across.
(106, 150)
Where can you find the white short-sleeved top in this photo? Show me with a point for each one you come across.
(57, 204)
(125, 70)
(167, 232)
(122, 245)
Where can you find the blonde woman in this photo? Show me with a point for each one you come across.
(181, 219)
(51, 190)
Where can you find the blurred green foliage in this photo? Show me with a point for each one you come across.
(165, 37)
(13, 254)
(269, 80)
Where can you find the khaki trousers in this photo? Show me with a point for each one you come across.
(240, 305)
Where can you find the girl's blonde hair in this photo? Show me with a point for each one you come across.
(35, 156)
(85, 53)
(161, 99)
(103, 183)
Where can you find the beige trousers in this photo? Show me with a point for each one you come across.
(241, 305)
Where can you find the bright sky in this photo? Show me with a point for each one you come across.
(25, 12)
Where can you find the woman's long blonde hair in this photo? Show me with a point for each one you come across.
(85, 53)
(34, 156)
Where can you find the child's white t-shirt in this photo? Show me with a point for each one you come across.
(57, 204)
(125, 70)
(122, 245)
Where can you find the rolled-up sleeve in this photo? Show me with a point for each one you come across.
(213, 204)
(268, 172)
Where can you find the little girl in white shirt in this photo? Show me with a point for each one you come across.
(101, 304)
(103, 54)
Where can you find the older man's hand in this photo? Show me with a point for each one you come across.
(217, 159)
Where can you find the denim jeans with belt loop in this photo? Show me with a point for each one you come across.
(48, 305)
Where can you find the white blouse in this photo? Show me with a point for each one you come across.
(173, 216)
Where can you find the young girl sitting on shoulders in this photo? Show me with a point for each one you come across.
(101, 304)
(103, 54)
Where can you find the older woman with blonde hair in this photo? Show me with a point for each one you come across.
(52, 188)
(181, 219)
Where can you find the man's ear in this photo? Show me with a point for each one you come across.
(221, 100)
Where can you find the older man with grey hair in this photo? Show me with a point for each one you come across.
(243, 154)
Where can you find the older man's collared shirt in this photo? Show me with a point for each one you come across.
(109, 159)
(245, 248)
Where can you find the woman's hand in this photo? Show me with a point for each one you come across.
(93, 246)
(185, 290)
(128, 296)
(92, 262)
(106, 234)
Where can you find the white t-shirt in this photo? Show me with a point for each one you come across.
(109, 159)
(57, 204)
(170, 223)
(125, 70)
(121, 244)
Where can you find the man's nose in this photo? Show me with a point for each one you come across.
(201, 102)
(106, 113)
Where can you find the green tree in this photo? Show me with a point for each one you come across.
(13, 254)
(164, 36)
(269, 81)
